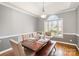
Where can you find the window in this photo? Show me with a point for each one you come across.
(54, 24)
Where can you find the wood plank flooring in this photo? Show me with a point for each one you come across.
(61, 50)
(65, 50)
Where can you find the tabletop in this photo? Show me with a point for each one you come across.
(33, 45)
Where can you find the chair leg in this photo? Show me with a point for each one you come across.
(54, 50)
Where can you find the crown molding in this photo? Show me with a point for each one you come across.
(17, 8)
(29, 13)
(66, 10)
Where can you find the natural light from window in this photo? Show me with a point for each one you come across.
(54, 25)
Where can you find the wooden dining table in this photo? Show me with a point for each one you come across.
(33, 45)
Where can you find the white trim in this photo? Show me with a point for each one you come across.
(6, 52)
(66, 10)
(69, 44)
(17, 8)
(77, 39)
(2, 37)
(70, 33)
(66, 43)
(56, 41)
(27, 12)
(77, 47)
(32, 32)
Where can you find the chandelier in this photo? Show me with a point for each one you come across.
(43, 12)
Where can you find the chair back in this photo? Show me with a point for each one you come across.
(17, 48)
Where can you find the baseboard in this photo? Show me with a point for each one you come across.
(7, 52)
(66, 43)
(69, 44)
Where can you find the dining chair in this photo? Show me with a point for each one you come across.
(19, 50)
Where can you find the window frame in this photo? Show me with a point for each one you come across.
(57, 20)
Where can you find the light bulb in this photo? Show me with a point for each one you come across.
(43, 16)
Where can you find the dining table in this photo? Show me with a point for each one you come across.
(34, 45)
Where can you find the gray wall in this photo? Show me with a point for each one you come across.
(68, 38)
(13, 22)
(77, 20)
(78, 23)
(69, 21)
(5, 44)
(40, 25)
(70, 25)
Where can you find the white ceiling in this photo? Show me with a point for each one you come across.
(50, 7)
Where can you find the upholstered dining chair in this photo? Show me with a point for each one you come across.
(19, 50)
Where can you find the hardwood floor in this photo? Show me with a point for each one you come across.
(65, 50)
(61, 50)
